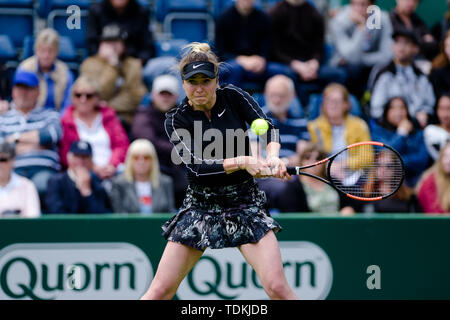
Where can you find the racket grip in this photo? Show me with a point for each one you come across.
(291, 170)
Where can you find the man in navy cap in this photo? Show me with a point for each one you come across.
(78, 190)
(34, 130)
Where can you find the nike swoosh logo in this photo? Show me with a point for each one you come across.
(197, 65)
(220, 114)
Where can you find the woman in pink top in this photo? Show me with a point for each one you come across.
(434, 188)
(89, 120)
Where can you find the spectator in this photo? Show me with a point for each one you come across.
(241, 40)
(18, 195)
(55, 77)
(149, 124)
(434, 186)
(359, 46)
(119, 75)
(298, 35)
(133, 20)
(77, 190)
(403, 17)
(402, 78)
(142, 188)
(402, 201)
(35, 131)
(98, 124)
(397, 129)
(440, 69)
(335, 128)
(279, 93)
(318, 196)
(436, 135)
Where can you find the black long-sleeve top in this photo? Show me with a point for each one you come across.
(298, 32)
(135, 21)
(242, 35)
(203, 154)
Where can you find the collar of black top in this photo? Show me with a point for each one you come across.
(203, 67)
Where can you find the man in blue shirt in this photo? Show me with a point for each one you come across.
(35, 131)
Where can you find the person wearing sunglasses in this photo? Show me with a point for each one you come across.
(142, 188)
(18, 195)
(91, 120)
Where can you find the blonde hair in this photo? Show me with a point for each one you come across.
(343, 90)
(442, 180)
(86, 82)
(142, 146)
(198, 51)
(47, 36)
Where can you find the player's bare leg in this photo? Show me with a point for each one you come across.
(265, 258)
(176, 262)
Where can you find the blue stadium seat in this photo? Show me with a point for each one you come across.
(187, 19)
(169, 47)
(191, 26)
(220, 6)
(28, 47)
(7, 50)
(45, 6)
(57, 12)
(315, 103)
(17, 19)
(164, 7)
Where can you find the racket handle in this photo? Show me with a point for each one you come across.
(292, 170)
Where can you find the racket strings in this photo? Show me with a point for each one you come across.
(367, 171)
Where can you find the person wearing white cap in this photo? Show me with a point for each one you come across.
(148, 123)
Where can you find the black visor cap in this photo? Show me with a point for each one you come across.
(203, 67)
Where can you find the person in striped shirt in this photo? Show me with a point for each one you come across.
(34, 130)
(279, 95)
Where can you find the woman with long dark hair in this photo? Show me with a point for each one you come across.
(398, 129)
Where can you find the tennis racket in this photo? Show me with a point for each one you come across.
(366, 171)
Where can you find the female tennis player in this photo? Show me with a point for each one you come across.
(223, 206)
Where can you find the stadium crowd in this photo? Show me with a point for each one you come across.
(92, 140)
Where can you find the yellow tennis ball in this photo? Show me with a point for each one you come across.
(259, 126)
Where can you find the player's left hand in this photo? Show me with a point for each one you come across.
(278, 168)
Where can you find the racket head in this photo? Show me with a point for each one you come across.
(366, 171)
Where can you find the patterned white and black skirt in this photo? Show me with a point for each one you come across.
(219, 217)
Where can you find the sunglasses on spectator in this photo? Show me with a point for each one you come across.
(3, 159)
(88, 96)
(139, 156)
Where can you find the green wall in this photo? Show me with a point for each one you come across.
(325, 257)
